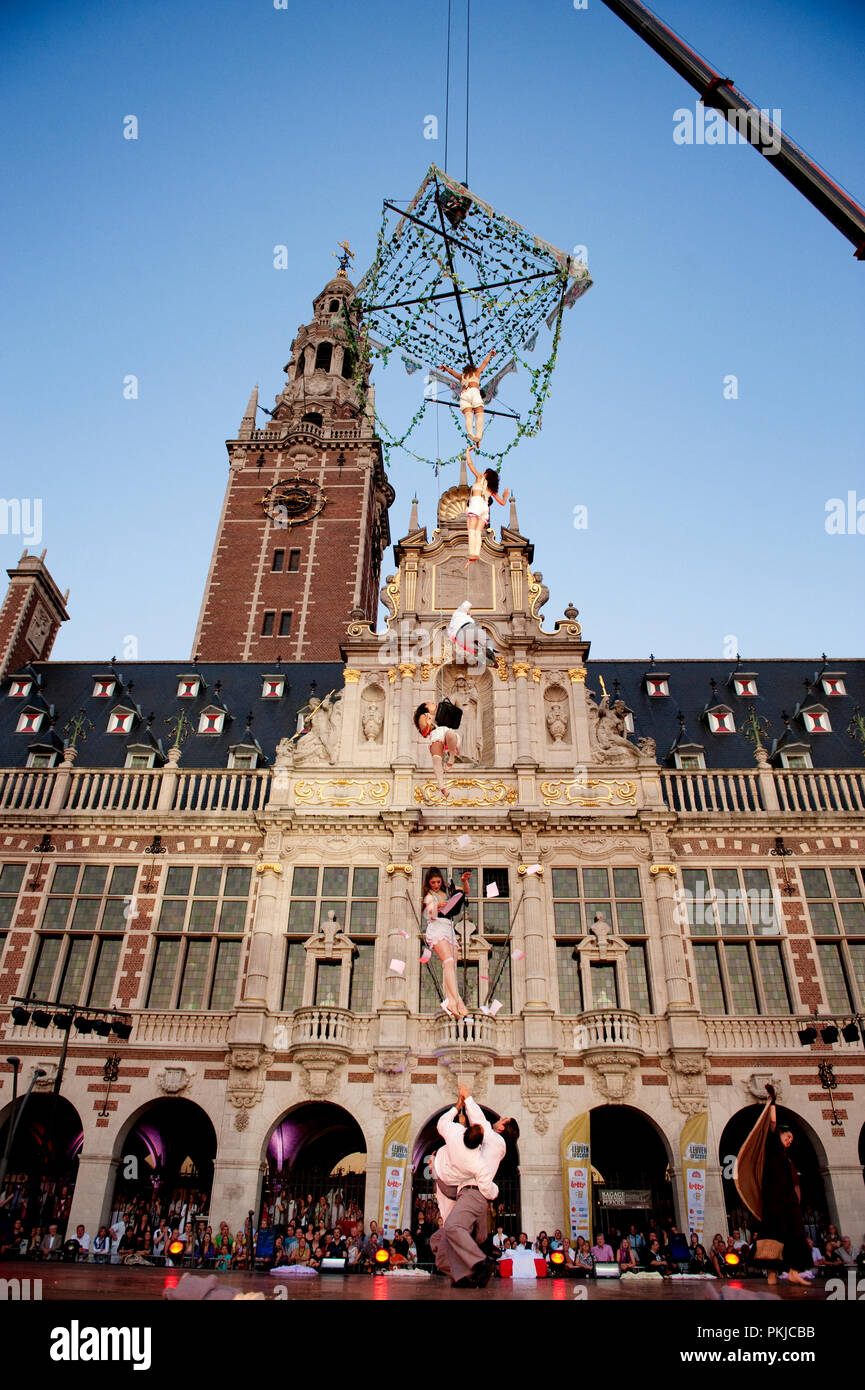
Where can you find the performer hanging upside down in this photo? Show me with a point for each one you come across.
(444, 743)
(478, 512)
(469, 637)
(471, 401)
(438, 909)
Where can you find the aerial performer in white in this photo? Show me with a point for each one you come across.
(484, 487)
(440, 936)
(471, 400)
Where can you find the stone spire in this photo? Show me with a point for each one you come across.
(413, 523)
(247, 424)
(513, 523)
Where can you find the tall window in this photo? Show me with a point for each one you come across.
(486, 975)
(196, 964)
(285, 624)
(267, 622)
(835, 903)
(11, 878)
(293, 561)
(578, 894)
(352, 896)
(80, 936)
(278, 561)
(731, 913)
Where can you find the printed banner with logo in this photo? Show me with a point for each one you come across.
(694, 1153)
(577, 1177)
(394, 1162)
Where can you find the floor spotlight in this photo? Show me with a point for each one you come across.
(807, 1036)
(557, 1258)
(382, 1259)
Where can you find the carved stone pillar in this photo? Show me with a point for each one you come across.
(524, 741)
(407, 732)
(675, 974)
(168, 781)
(536, 972)
(263, 928)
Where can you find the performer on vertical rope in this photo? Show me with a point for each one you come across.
(444, 740)
(478, 512)
(469, 637)
(471, 401)
(438, 909)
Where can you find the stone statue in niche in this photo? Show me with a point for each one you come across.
(320, 741)
(608, 732)
(372, 714)
(465, 695)
(556, 715)
(602, 930)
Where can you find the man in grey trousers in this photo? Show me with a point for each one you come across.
(465, 1169)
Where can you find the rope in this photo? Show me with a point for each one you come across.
(494, 985)
(468, 41)
(448, 85)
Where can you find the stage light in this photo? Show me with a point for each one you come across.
(41, 1018)
(176, 1248)
(731, 1258)
(63, 1021)
(850, 1031)
(122, 1030)
(829, 1034)
(557, 1258)
(83, 1025)
(807, 1036)
(382, 1258)
(20, 1015)
(101, 1027)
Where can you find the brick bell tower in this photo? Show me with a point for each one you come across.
(304, 522)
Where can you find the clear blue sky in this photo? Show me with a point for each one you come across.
(260, 126)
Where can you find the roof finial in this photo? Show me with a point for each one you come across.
(347, 255)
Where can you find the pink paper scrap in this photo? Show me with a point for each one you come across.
(398, 966)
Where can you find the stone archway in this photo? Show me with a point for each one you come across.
(314, 1168)
(43, 1163)
(165, 1155)
(427, 1140)
(632, 1163)
(807, 1153)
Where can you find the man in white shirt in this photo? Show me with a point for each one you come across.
(83, 1243)
(464, 1171)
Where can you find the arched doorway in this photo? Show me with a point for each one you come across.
(423, 1198)
(165, 1158)
(810, 1163)
(632, 1182)
(43, 1164)
(315, 1168)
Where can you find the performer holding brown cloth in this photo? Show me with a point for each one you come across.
(768, 1182)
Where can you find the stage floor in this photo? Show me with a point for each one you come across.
(85, 1283)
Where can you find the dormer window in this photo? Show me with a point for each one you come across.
(188, 687)
(323, 357)
(312, 417)
(29, 720)
(273, 687)
(628, 719)
(104, 687)
(721, 720)
(334, 306)
(243, 757)
(41, 757)
(796, 756)
(140, 757)
(212, 720)
(833, 684)
(689, 757)
(745, 685)
(816, 720)
(657, 684)
(21, 687)
(120, 720)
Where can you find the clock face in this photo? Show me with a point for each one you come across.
(293, 501)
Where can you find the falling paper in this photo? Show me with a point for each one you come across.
(492, 890)
(398, 966)
(533, 869)
(484, 1009)
(495, 1006)
(483, 977)
(517, 954)
(402, 933)
(426, 956)
(464, 842)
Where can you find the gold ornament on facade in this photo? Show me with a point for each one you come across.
(502, 668)
(407, 668)
(273, 868)
(398, 869)
(364, 793)
(577, 675)
(575, 793)
(493, 793)
(536, 674)
(523, 869)
(351, 675)
(391, 675)
(655, 869)
(520, 669)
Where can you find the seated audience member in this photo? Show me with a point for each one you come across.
(717, 1251)
(51, 1246)
(698, 1260)
(678, 1246)
(101, 1248)
(637, 1241)
(625, 1256)
(542, 1249)
(302, 1253)
(654, 1259)
(568, 1254)
(583, 1261)
(601, 1251)
(846, 1253)
(499, 1238)
(831, 1259)
(83, 1240)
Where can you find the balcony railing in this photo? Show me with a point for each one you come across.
(112, 791)
(221, 791)
(328, 1026)
(25, 790)
(712, 791)
(753, 1035)
(607, 1028)
(812, 790)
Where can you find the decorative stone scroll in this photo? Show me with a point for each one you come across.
(591, 792)
(491, 793)
(362, 792)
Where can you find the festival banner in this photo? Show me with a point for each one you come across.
(694, 1153)
(394, 1162)
(577, 1177)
